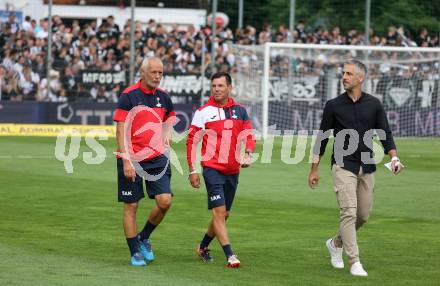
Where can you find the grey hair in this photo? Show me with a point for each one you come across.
(146, 62)
(361, 68)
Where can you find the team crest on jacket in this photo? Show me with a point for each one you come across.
(158, 102)
(234, 116)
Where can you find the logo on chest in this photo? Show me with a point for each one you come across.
(158, 102)
(234, 116)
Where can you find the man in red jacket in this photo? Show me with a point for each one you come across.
(144, 116)
(223, 126)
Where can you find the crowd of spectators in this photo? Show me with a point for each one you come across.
(106, 47)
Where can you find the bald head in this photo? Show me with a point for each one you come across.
(151, 72)
(146, 63)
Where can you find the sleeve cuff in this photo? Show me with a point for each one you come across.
(120, 115)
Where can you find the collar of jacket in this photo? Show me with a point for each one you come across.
(212, 102)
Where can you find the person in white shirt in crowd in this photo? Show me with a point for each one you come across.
(26, 25)
(28, 83)
(56, 91)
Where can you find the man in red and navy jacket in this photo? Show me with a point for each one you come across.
(144, 117)
(223, 126)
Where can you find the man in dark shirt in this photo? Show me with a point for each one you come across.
(354, 117)
(392, 36)
(113, 28)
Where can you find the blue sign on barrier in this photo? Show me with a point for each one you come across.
(5, 14)
(403, 121)
(84, 113)
(422, 122)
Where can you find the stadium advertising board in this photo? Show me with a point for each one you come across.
(5, 14)
(422, 122)
(403, 121)
(394, 92)
(185, 88)
(79, 113)
(53, 130)
(91, 77)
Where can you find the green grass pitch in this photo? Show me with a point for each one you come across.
(66, 229)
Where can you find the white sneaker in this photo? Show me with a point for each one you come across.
(335, 254)
(357, 270)
(233, 261)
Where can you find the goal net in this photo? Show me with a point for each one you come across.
(285, 86)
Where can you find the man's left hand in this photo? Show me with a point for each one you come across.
(396, 166)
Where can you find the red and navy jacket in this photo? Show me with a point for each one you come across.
(146, 111)
(223, 131)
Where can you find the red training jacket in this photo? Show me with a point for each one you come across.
(146, 111)
(223, 131)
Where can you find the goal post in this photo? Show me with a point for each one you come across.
(286, 85)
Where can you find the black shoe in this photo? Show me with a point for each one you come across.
(203, 253)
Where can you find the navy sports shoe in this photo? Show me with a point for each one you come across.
(204, 254)
(145, 248)
(137, 260)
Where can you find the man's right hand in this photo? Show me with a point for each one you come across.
(313, 179)
(194, 180)
(129, 171)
